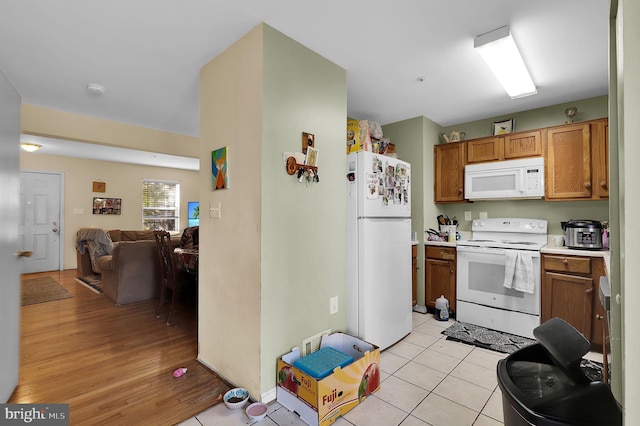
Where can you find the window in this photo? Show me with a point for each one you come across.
(160, 205)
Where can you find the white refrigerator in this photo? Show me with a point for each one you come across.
(379, 303)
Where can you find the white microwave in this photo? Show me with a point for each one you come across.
(512, 179)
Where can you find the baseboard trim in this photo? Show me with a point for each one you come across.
(269, 396)
(265, 397)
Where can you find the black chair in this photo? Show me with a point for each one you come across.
(169, 272)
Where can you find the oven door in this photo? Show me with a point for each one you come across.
(480, 278)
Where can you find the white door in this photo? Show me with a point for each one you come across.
(39, 228)
(10, 284)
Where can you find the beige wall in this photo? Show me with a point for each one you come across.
(53, 123)
(278, 252)
(230, 289)
(123, 180)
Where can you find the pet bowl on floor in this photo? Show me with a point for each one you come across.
(236, 398)
(257, 411)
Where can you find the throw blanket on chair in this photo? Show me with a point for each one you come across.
(99, 243)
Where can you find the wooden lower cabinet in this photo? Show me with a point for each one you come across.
(440, 275)
(570, 291)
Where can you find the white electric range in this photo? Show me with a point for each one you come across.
(481, 297)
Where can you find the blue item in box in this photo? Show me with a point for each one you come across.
(321, 363)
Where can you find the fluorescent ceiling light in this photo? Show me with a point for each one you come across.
(30, 147)
(499, 51)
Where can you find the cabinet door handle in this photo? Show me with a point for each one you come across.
(459, 190)
(448, 256)
(587, 185)
(599, 317)
(565, 261)
(603, 184)
(589, 290)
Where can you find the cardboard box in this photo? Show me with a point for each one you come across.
(353, 136)
(320, 402)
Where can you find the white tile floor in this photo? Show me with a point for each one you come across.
(426, 380)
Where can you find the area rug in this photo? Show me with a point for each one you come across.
(507, 343)
(486, 338)
(42, 289)
(92, 282)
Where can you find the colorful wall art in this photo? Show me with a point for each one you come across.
(219, 168)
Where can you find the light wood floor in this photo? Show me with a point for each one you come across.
(112, 365)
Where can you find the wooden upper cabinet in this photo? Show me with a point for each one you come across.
(568, 167)
(600, 156)
(505, 147)
(449, 160)
(523, 144)
(485, 149)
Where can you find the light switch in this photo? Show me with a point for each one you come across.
(215, 212)
(78, 211)
(467, 215)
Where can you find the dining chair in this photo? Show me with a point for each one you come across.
(169, 272)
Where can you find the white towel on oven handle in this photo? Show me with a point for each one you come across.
(518, 271)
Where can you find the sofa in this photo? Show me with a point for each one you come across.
(131, 273)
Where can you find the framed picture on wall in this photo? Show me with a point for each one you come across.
(107, 205)
(220, 168)
(99, 186)
(503, 127)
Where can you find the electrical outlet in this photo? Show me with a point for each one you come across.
(333, 305)
(467, 215)
(483, 215)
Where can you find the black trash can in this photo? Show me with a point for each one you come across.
(543, 384)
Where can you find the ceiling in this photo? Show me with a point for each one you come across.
(148, 53)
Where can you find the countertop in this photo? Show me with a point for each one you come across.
(550, 248)
(439, 243)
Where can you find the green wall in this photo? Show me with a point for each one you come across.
(588, 109)
(554, 212)
(303, 225)
(414, 145)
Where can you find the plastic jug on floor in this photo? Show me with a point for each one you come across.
(442, 309)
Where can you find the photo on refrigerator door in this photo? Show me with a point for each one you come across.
(401, 171)
(372, 186)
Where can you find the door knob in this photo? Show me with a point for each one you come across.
(55, 229)
(21, 253)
